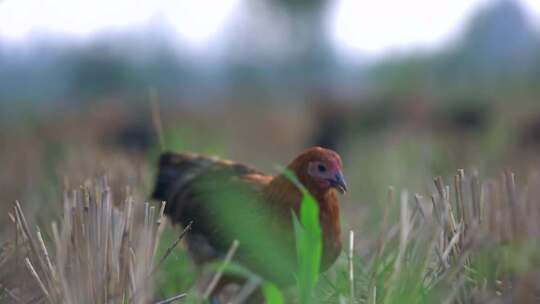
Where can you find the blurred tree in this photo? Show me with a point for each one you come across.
(290, 35)
(499, 51)
(500, 36)
(98, 74)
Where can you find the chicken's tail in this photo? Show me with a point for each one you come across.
(176, 170)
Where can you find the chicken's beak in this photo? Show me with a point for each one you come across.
(338, 182)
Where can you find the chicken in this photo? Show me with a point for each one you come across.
(227, 200)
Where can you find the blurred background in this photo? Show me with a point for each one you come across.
(404, 91)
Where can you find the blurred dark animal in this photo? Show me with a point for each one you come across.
(132, 137)
(228, 200)
(465, 116)
(529, 134)
(375, 117)
(337, 118)
(331, 123)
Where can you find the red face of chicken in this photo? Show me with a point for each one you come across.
(327, 173)
(320, 170)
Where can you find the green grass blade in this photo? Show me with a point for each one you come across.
(272, 294)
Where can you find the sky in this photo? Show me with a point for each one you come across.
(369, 27)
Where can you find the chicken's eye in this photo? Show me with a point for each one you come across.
(321, 168)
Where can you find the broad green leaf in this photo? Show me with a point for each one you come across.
(272, 294)
(308, 243)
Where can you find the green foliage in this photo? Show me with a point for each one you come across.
(512, 259)
(309, 246)
(177, 273)
(264, 242)
(272, 294)
(308, 243)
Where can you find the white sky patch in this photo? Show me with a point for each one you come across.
(355, 26)
(533, 7)
(19, 18)
(199, 21)
(374, 27)
(196, 22)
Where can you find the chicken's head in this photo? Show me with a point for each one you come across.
(320, 170)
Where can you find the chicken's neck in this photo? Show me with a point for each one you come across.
(283, 195)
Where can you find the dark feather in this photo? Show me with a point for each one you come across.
(196, 188)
